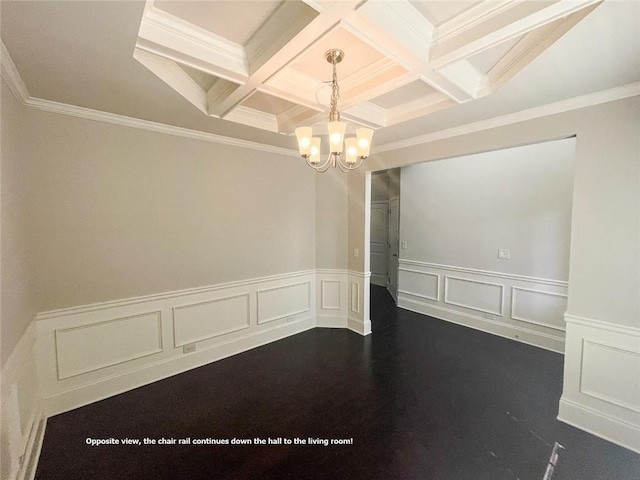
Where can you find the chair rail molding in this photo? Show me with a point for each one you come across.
(172, 332)
(523, 308)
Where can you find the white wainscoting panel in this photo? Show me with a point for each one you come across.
(532, 314)
(420, 284)
(359, 320)
(22, 427)
(474, 294)
(354, 306)
(597, 381)
(203, 320)
(601, 391)
(91, 352)
(538, 307)
(99, 345)
(330, 295)
(331, 298)
(283, 301)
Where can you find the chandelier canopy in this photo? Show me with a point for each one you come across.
(356, 148)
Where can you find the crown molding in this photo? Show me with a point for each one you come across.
(575, 103)
(113, 118)
(10, 73)
(19, 90)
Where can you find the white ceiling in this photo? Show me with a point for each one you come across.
(251, 69)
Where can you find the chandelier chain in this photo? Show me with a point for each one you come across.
(334, 114)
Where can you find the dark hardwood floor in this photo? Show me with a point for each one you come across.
(419, 398)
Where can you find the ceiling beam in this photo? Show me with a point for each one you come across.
(527, 49)
(174, 76)
(286, 54)
(169, 36)
(512, 22)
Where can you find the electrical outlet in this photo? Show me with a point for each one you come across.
(189, 348)
(504, 254)
(404, 245)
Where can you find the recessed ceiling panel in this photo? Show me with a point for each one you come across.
(405, 94)
(439, 11)
(357, 56)
(236, 21)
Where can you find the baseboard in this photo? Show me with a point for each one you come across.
(530, 337)
(358, 326)
(600, 425)
(111, 386)
(326, 321)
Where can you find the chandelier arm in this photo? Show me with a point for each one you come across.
(342, 167)
(346, 167)
(322, 167)
(357, 164)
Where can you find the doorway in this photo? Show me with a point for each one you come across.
(379, 247)
(383, 245)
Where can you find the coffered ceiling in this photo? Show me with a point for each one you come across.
(403, 59)
(238, 68)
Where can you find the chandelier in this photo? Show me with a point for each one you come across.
(356, 148)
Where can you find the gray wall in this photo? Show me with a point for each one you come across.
(385, 185)
(460, 211)
(604, 280)
(330, 219)
(17, 299)
(119, 212)
(394, 182)
(379, 187)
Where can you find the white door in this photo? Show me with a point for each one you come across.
(394, 234)
(379, 242)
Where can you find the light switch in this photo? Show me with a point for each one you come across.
(404, 245)
(503, 253)
(356, 252)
